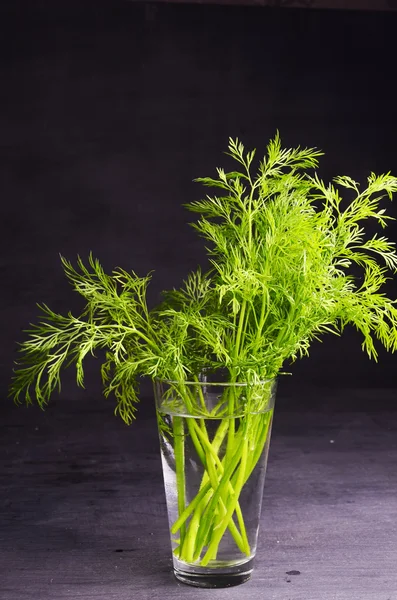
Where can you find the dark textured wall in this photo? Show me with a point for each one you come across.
(108, 110)
(374, 5)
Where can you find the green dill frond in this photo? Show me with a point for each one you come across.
(290, 260)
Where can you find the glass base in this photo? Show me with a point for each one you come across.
(219, 576)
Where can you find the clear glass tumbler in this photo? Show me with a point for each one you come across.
(214, 440)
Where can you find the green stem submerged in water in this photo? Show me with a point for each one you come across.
(211, 506)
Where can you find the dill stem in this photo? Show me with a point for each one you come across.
(179, 449)
(189, 546)
(231, 403)
(190, 508)
(232, 497)
(262, 319)
(208, 453)
(205, 524)
(193, 430)
(219, 531)
(213, 507)
(213, 462)
(259, 443)
(240, 329)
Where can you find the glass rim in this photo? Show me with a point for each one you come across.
(216, 383)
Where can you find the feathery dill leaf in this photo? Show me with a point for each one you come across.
(281, 245)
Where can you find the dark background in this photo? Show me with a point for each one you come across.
(109, 110)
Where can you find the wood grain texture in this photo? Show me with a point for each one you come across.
(83, 511)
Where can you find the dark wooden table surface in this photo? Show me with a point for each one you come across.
(83, 511)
